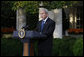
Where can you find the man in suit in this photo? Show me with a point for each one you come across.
(45, 26)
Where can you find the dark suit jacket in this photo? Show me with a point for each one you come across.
(48, 30)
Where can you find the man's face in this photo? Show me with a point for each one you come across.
(43, 14)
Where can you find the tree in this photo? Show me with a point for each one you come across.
(29, 6)
(59, 4)
(8, 10)
(7, 15)
(31, 9)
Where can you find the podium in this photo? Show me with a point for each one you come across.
(27, 41)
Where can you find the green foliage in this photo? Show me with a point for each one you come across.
(67, 46)
(8, 10)
(11, 47)
(58, 4)
(31, 9)
(7, 15)
(28, 6)
(63, 47)
(32, 6)
(78, 47)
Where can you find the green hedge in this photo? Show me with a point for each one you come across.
(67, 46)
(11, 47)
(63, 47)
(78, 47)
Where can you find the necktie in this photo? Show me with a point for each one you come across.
(42, 25)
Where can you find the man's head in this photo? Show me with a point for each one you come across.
(43, 13)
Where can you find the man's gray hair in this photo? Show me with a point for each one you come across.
(43, 9)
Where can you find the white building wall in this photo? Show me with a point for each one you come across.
(56, 15)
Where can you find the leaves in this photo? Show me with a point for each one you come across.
(33, 6)
(58, 4)
(29, 6)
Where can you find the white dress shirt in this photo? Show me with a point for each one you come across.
(45, 20)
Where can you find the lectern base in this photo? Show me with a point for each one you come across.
(28, 49)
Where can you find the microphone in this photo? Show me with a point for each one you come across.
(26, 27)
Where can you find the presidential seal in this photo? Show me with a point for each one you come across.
(21, 33)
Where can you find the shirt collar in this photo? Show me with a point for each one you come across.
(45, 19)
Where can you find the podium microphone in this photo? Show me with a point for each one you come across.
(26, 27)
